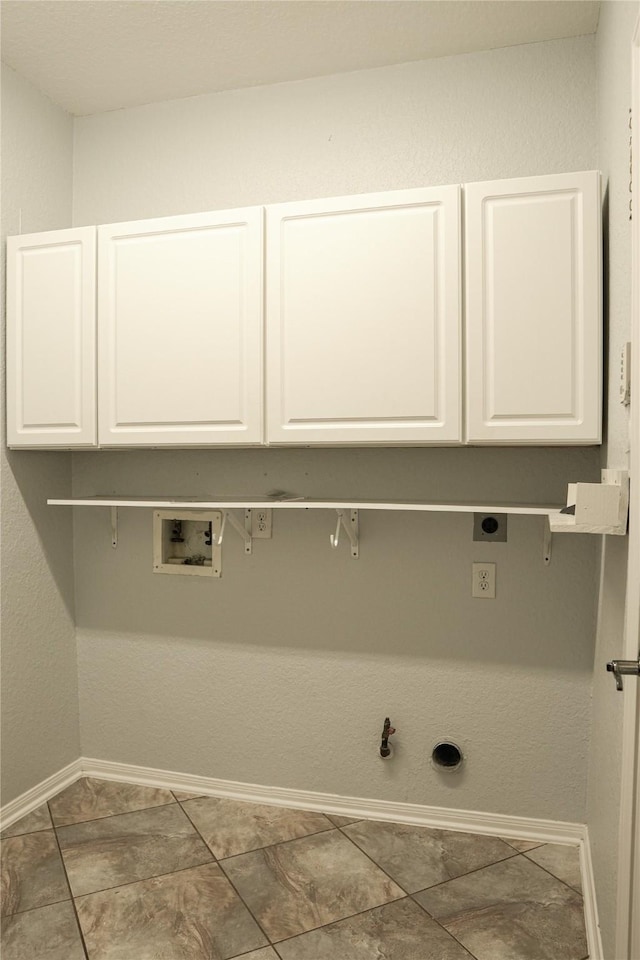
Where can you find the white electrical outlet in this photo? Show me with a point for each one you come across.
(483, 581)
(261, 523)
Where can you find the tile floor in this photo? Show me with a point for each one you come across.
(110, 871)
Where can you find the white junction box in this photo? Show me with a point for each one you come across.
(187, 542)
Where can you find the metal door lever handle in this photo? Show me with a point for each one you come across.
(623, 668)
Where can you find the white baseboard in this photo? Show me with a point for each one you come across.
(470, 821)
(441, 818)
(591, 921)
(43, 791)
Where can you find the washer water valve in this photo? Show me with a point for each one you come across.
(386, 750)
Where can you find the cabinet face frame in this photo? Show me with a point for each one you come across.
(566, 359)
(245, 425)
(339, 366)
(51, 339)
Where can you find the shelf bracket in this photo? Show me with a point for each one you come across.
(114, 527)
(244, 531)
(547, 542)
(348, 520)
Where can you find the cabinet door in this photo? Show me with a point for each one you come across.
(51, 349)
(180, 327)
(533, 310)
(363, 319)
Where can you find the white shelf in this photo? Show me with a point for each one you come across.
(301, 503)
(599, 508)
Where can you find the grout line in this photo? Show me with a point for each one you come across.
(559, 879)
(469, 873)
(247, 907)
(198, 832)
(27, 833)
(249, 953)
(18, 913)
(73, 902)
(229, 881)
(542, 843)
(106, 816)
(510, 856)
(351, 840)
(156, 876)
(331, 923)
(573, 890)
(442, 926)
(127, 883)
(277, 843)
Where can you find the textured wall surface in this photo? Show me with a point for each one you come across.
(506, 113)
(617, 22)
(39, 675)
(282, 671)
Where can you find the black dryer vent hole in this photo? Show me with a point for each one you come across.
(446, 755)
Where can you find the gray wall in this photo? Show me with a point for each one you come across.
(503, 113)
(617, 22)
(39, 673)
(282, 672)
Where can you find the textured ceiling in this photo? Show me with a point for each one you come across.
(95, 55)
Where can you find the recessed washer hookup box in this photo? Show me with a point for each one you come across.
(186, 542)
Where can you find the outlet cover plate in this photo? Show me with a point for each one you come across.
(261, 524)
(483, 581)
(491, 527)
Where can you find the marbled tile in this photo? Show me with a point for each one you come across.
(38, 819)
(181, 795)
(194, 914)
(50, 932)
(88, 799)
(131, 846)
(297, 886)
(32, 872)
(267, 953)
(397, 931)
(522, 845)
(342, 821)
(231, 827)
(419, 857)
(561, 860)
(512, 910)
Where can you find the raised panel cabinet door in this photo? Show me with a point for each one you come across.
(51, 339)
(180, 328)
(363, 319)
(534, 310)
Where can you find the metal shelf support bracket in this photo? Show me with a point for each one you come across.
(243, 530)
(114, 527)
(547, 543)
(348, 521)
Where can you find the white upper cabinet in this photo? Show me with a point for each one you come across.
(533, 310)
(51, 332)
(180, 330)
(364, 340)
(363, 319)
